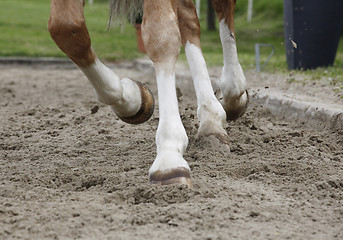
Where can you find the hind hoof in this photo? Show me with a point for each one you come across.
(216, 142)
(147, 106)
(174, 176)
(235, 109)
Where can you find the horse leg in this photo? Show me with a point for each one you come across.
(130, 100)
(210, 112)
(161, 38)
(234, 96)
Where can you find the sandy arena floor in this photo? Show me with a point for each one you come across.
(68, 174)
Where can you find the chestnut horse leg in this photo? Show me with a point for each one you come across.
(162, 41)
(211, 114)
(234, 96)
(129, 99)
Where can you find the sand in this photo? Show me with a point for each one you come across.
(70, 169)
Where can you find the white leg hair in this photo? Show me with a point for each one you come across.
(122, 95)
(211, 114)
(171, 137)
(232, 82)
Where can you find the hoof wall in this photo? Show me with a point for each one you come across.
(147, 106)
(235, 113)
(175, 176)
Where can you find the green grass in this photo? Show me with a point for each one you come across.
(261, 30)
(266, 27)
(23, 32)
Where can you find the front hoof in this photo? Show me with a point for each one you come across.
(175, 176)
(147, 107)
(236, 108)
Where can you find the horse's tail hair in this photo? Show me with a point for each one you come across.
(123, 11)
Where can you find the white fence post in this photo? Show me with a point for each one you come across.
(90, 2)
(197, 5)
(250, 4)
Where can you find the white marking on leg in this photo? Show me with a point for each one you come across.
(210, 111)
(232, 82)
(171, 137)
(122, 95)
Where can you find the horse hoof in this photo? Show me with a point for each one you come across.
(147, 106)
(236, 109)
(216, 142)
(176, 176)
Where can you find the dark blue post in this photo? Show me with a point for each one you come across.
(315, 27)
